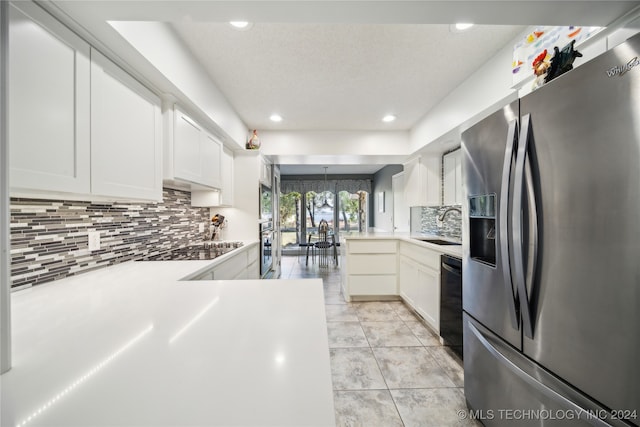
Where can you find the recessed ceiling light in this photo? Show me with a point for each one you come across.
(240, 25)
(388, 118)
(461, 26)
(275, 118)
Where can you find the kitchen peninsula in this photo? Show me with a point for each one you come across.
(133, 344)
(379, 265)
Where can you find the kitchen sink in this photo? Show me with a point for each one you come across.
(438, 241)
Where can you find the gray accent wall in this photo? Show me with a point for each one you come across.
(49, 237)
(382, 182)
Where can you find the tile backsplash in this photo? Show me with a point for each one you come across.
(49, 237)
(424, 219)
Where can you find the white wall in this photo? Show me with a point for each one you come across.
(335, 142)
(491, 87)
(166, 52)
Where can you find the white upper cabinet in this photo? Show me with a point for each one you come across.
(126, 134)
(212, 161)
(80, 127)
(422, 181)
(49, 96)
(266, 176)
(452, 165)
(226, 193)
(223, 196)
(186, 148)
(193, 154)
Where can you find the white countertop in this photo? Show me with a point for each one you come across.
(454, 250)
(131, 345)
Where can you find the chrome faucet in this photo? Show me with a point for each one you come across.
(441, 217)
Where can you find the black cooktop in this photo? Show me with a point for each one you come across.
(198, 252)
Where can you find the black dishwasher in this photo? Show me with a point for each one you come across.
(451, 302)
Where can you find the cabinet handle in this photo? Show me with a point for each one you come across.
(452, 270)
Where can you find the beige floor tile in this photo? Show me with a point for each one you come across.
(426, 336)
(436, 407)
(450, 362)
(340, 313)
(355, 369)
(368, 408)
(346, 334)
(389, 334)
(410, 367)
(375, 311)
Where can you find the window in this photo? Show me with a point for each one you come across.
(352, 211)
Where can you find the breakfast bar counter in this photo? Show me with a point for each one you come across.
(135, 345)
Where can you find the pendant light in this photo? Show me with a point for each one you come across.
(325, 204)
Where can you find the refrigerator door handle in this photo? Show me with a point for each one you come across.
(516, 220)
(532, 254)
(505, 244)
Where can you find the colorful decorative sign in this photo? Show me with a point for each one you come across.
(528, 50)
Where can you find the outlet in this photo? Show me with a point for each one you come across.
(94, 240)
(201, 228)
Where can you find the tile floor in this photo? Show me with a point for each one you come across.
(388, 368)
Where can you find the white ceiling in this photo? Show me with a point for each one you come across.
(339, 76)
(333, 65)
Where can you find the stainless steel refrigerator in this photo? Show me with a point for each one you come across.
(551, 288)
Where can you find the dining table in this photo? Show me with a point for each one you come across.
(325, 245)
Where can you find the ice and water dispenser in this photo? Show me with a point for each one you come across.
(482, 228)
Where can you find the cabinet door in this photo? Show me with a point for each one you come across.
(452, 164)
(422, 181)
(226, 192)
(126, 136)
(211, 150)
(409, 281)
(428, 304)
(265, 173)
(49, 81)
(187, 157)
(413, 183)
(449, 165)
(458, 173)
(431, 181)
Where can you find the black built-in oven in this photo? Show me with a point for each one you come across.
(451, 302)
(266, 230)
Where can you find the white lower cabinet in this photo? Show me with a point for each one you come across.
(370, 268)
(243, 265)
(419, 281)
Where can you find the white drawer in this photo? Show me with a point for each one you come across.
(372, 264)
(372, 285)
(424, 256)
(231, 268)
(367, 246)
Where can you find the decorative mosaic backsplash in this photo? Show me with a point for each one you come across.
(425, 220)
(49, 237)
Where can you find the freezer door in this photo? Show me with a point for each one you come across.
(504, 388)
(584, 152)
(487, 293)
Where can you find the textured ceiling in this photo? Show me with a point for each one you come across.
(339, 76)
